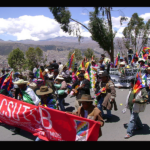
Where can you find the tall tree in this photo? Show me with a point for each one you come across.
(34, 57)
(136, 33)
(16, 59)
(63, 16)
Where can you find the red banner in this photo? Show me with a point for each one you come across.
(46, 123)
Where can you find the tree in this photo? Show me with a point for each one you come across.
(34, 57)
(16, 59)
(136, 33)
(63, 16)
(78, 55)
(89, 53)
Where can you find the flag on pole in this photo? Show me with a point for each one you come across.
(103, 90)
(2, 78)
(71, 62)
(8, 84)
(139, 84)
(117, 59)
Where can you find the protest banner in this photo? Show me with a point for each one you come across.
(46, 123)
(124, 81)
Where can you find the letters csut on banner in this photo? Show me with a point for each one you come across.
(11, 110)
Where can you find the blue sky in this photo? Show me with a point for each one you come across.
(37, 23)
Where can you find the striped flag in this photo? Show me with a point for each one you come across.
(103, 90)
(2, 79)
(8, 84)
(139, 84)
(71, 62)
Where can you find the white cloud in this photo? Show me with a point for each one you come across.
(116, 22)
(86, 22)
(84, 14)
(31, 27)
(146, 16)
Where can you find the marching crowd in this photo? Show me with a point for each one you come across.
(58, 83)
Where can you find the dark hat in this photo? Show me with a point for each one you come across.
(104, 74)
(56, 70)
(81, 75)
(31, 74)
(54, 60)
(7, 69)
(102, 66)
(103, 55)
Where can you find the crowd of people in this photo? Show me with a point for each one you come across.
(58, 80)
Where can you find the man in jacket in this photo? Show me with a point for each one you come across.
(136, 102)
(106, 99)
(83, 87)
(88, 110)
(55, 65)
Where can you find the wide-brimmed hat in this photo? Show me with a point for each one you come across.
(50, 67)
(44, 90)
(122, 63)
(60, 77)
(20, 81)
(85, 98)
(141, 59)
(32, 85)
(130, 48)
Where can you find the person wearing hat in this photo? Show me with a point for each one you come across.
(66, 74)
(135, 62)
(147, 82)
(35, 68)
(55, 65)
(136, 103)
(17, 90)
(60, 66)
(7, 70)
(93, 63)
(121, 69)
(130, 53)
(28, 96)
(88, 110)
(74, 77)
(61, 97)
(81, 86)
(56, 72)
(106, 99)
(141, 61)
(47, 100)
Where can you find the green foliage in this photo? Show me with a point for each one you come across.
(135, 31)
(16, 59)
(89, 53)
(34, 57)
(78, 55)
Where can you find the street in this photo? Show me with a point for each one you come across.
(111, 131)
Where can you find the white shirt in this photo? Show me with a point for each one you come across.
(33, 96)
(34, 70)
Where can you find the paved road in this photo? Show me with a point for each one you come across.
(111, 131)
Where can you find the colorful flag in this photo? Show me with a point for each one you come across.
(103, 90)
(117, 59)
(86, 76)
(8, 84)
(2, 79)
(71, 62)
(136, 54)
(81, 65)
(138, 85)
